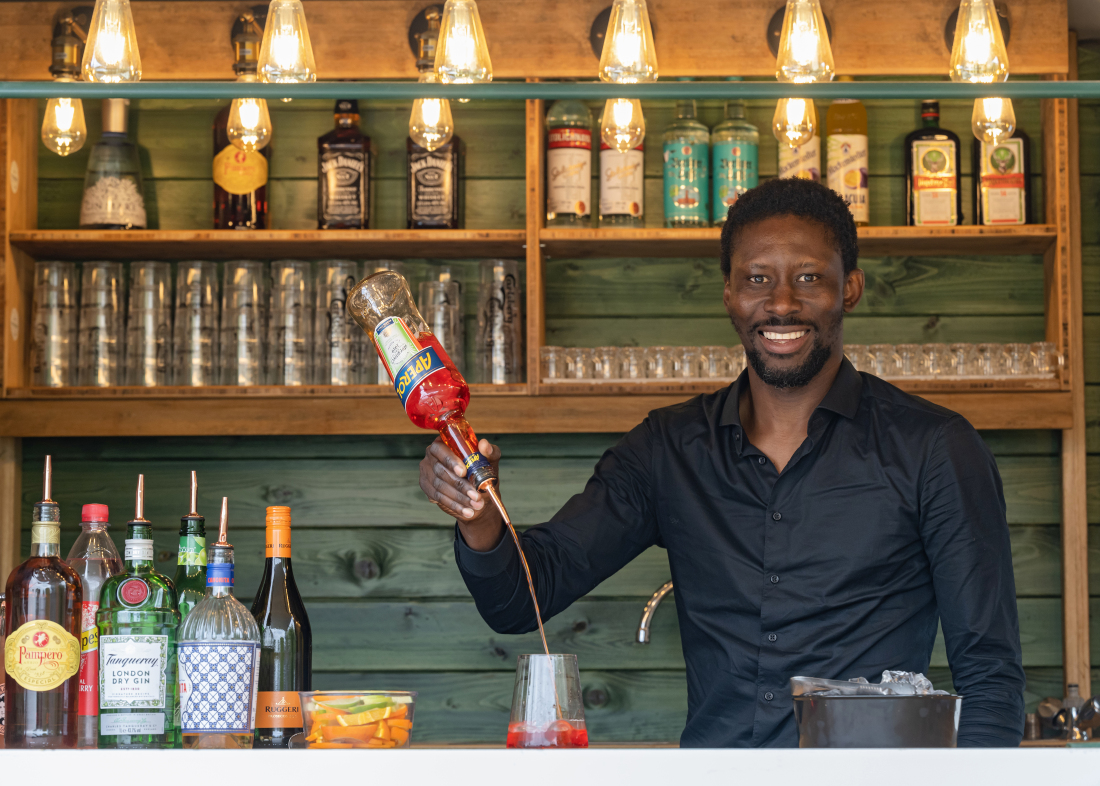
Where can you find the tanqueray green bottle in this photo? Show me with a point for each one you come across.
(137, 620)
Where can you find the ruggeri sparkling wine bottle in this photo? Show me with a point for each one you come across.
(95, 559)
(42, 650)
(219, 659)
(137, 619)
(190, 578)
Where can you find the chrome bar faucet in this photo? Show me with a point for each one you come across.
(650, 608)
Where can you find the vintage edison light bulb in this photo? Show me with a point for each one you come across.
(993, 120)
(794, 121)
(622, 125)
(461, 54)
(805, 54)
(111, 52)
(628, 53)
(430, 124)
(286, 56)
(63, 128)
(978, 52)
(249, 126)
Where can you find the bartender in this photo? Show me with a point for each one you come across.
(818, 520)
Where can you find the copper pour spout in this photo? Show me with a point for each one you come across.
(47, 481)
(139, 502)
(222, 534)
(194, 495)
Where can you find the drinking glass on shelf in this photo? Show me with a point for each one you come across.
(553, 362)
(547, 707)
(991, 359)
(606, 363)
(1046, 358)
(338, 349)
(100, 335)
(441, 306)
(1018, 359)
(658, 363)
(194, 354)
(737, 360)
(499, 323)
(54, 324)
(374, 371)
(687, 362)
(149, 324)
(909, 359)
(886, 360)
(244, 313)
(935, 360)
(290, 323)
(963, 360)
(578, 363)
(633, 362)
(860, 357)
(715, 362)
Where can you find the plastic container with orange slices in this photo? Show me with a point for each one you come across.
(366, 719)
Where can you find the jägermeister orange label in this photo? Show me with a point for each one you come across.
(40, 655)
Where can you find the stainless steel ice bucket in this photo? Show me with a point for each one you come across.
(877, 721)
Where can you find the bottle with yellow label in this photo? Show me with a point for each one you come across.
(847, 164)
(42, 652)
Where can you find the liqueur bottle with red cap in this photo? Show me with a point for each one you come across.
(42, 651)
(95, 559)
(137, 619)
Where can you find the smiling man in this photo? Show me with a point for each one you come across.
(818, 521)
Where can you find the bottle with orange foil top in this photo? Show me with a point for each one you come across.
(42, 652)
(286, 642)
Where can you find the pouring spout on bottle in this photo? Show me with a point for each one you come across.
(649, 610)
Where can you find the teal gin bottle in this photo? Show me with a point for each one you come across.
(190, 577)
(734, 146)
(137, 620)
(687, 177)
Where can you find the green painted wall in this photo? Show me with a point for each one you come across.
(374, 560)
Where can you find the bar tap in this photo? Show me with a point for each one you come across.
(649, 610)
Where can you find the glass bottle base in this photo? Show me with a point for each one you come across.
(217, 741)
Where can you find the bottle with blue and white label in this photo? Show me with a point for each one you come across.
(734, 159)
(687, 177)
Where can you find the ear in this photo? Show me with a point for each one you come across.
(727, 294)
(853, 290)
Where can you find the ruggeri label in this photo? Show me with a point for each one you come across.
(132, 671)
(218, 686)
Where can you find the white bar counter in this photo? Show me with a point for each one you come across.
(604, 766)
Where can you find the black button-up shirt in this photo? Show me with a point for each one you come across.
(888, 518)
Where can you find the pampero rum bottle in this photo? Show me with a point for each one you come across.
(219, 659)
(286, 643)
(42, 651)
(190, 578)
(343, 172)
(95, 559)
(932, 196)
(138, 617)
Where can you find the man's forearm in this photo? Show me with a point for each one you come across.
(991, 718)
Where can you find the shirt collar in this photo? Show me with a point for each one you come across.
(843, 397)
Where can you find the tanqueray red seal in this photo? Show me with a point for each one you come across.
(133, 592)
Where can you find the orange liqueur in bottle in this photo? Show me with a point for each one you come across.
(42, 651)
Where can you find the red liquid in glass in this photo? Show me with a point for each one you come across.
(559, 734)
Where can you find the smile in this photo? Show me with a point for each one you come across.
(783, 337)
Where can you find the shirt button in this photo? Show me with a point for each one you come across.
(768, 696)
(772, 637)
(762, 460)
(775, 579)
(777, 516)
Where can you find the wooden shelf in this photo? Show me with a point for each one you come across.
(873, 241)
(271, 244)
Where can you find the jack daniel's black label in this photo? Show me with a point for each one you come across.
(343, 179)
(432, 186)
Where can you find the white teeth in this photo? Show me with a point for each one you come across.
(783, 336)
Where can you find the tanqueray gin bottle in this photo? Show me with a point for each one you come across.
(219, 659)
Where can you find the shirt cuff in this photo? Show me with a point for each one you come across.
(484, 564)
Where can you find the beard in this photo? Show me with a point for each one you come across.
(801, 375)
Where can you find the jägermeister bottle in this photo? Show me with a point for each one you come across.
(190, 579)
(137, 620)
(932, 196)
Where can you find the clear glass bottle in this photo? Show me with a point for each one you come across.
(95, 559)
(149, 324)
(114, 196)
(734, 145)
(847, 162)
(569, 164)
(138, 616)
(622, 186)
(55, 318)
(290, 323)
(99, 351)
(190, 578)
(686, 177)
(219, 639)
(42, 616)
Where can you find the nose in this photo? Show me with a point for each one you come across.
(783, 300)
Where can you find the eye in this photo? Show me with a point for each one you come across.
(809, 277)
(757, 279)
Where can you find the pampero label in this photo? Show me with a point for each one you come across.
(132, 671)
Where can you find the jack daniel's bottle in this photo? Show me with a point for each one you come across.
(343, 172)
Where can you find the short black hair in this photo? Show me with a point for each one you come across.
(793, 197)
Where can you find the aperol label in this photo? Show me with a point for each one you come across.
(40, 655)
(420, 366)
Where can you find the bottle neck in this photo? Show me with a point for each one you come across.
(139, 546)
(46, 530)
(685, 110)
(94, 526)
(219, 572)
(347, 121)
(735, 110)
(193, 525)
(278, 544)
(930, 116)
